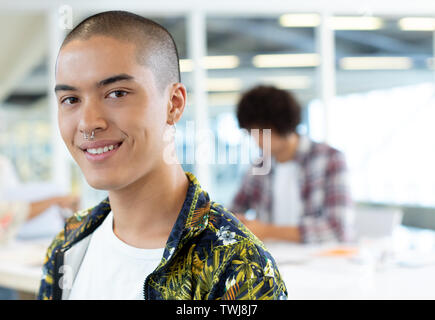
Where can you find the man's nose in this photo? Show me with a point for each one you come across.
(93, 117)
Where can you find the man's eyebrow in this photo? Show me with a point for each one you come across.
(104, 82)
(113, 79)
(64, 87)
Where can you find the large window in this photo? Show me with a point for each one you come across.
(381, 115)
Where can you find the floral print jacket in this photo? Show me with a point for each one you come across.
(209, 254)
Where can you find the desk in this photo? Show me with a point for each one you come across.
(323, 272)
(21, 264)
(306, 270)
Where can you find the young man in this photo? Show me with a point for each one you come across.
(158, 235)
(305, 196)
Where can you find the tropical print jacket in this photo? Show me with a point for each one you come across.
(209, 254)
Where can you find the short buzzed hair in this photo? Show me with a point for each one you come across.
(156, 48)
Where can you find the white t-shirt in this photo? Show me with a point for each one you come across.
(287, 203)
(112, 269)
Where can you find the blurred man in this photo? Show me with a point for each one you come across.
(305, 197)
(158, 235)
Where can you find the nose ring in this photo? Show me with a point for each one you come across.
(89, 137)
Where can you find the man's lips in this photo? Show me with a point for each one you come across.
(100, 150)
(99, 144)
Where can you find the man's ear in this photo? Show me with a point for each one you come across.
(176, 103)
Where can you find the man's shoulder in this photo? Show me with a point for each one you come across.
(315, 150)
(321, 147)
(226, 232)
(223, 218)
(238, 258)
(226, 236)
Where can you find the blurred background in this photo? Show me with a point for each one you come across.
(362, 70)
(365, 80)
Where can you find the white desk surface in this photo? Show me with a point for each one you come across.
(309, 271)
(346, 272)
(21, 264)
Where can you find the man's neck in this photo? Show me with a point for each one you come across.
(145, 212)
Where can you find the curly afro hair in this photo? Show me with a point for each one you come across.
(267, 107)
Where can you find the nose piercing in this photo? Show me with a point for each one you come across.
(87, 137)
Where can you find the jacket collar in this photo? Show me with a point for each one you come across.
(191, 221)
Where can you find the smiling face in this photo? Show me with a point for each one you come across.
(101, 87)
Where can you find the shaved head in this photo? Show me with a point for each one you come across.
(156, 49)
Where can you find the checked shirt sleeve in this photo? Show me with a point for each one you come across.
(334, 220)
(247, 196)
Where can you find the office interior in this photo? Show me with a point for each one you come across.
(363, 72)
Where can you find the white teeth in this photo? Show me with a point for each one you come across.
(101, 150)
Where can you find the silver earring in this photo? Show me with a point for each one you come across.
(87, 137)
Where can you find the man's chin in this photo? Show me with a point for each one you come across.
(102, 184)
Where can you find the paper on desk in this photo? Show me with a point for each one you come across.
(339, 252)
(285, 253)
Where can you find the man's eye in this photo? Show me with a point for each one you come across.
(117, 94)
(70, 100)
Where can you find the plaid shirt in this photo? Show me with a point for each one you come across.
(327, 214)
